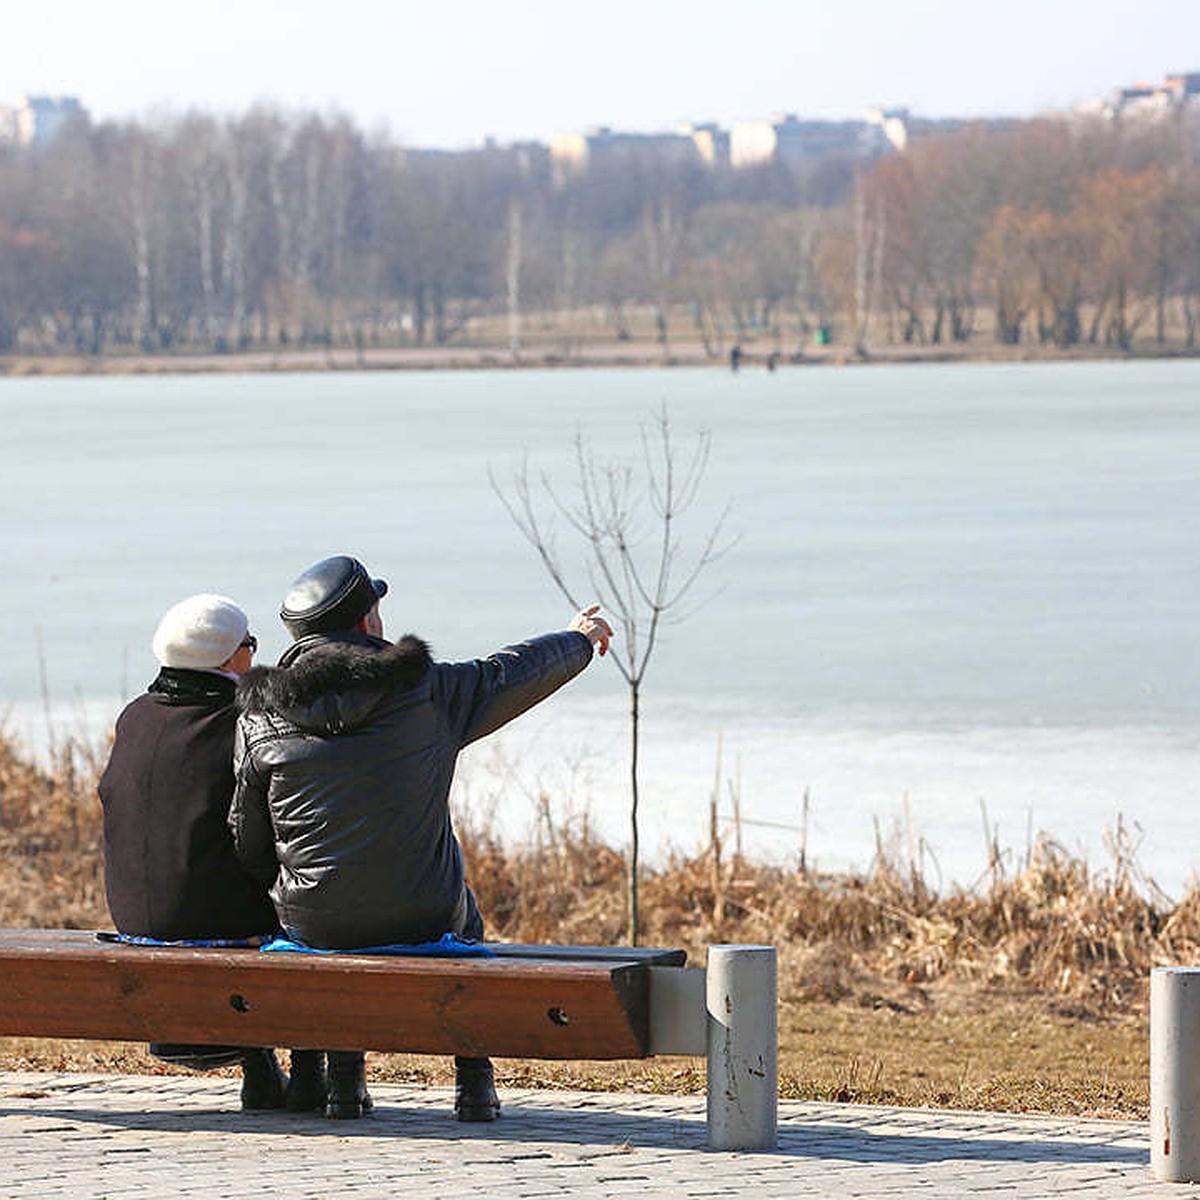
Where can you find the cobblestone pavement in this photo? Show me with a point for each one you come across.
(68, 1136)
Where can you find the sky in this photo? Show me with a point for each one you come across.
(453, 74)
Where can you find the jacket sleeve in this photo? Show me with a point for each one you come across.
(250, 815)
(487, 693)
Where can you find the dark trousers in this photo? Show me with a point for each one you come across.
(466, 920)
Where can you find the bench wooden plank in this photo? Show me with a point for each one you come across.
(64, 983)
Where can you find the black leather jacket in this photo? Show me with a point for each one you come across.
(344, 757)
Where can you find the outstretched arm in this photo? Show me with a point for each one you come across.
(482, 696)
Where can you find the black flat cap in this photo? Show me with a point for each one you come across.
(330, 596)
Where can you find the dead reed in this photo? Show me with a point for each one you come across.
(50, 849)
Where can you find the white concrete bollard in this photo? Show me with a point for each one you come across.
(743, 1048)
(1175, 1073)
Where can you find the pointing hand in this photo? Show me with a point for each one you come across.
(596, 629)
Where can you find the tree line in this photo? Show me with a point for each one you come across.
(276, 228)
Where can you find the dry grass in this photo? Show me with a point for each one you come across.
(1057, 929)
(1027, 992)
(51, 872)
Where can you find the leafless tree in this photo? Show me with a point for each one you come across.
(870, 237)
(144, 174)
(662, 233)
(628, 518)
(1005, 272)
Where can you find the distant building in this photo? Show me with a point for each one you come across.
(1142, 100)
(788, 139)
(711, 142)
(574, 153)
(34, 120)
(1146, 101)
(1184, 88)
(893, 123)
(752, 143)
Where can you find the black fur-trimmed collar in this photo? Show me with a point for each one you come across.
(328, 664)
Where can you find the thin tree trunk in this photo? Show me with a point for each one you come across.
(861, 313)
(513, 279)
(233, 253)
(204, 238)
(143, 269)
(634, 922)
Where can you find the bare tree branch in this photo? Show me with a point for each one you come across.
(638, 580)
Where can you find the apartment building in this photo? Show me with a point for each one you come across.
(34, 120)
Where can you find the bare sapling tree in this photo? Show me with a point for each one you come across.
(628, 520)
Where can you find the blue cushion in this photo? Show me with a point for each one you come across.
(449, 945)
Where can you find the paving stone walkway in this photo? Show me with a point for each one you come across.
(105, 1137)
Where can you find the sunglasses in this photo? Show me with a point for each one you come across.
(250, 643)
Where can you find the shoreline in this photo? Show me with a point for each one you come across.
(601, 355)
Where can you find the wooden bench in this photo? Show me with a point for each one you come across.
(526, 1001)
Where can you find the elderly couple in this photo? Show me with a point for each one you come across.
(311, 797)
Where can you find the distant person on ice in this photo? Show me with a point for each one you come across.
(344, 759)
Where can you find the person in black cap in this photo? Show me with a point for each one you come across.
(344, 756)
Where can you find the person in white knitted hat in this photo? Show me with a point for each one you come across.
(170, 870)
(204, 633)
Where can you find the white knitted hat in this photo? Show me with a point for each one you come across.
(200, 632)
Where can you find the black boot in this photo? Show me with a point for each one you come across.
(263, 1081)
(475, 1096)
(348, 1095)
(308, 1088)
